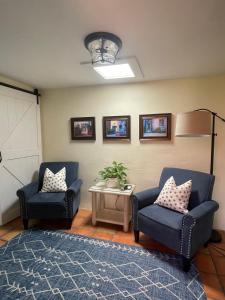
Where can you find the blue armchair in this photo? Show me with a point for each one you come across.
(182, 233)
(35, 205)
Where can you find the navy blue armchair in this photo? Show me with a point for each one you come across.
(182, 233)
(36, 205)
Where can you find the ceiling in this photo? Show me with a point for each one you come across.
(41, 41)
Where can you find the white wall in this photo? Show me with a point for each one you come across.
(144, 160)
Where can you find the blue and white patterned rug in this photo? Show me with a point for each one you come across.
(51, 265)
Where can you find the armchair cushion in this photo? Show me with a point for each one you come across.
(141, 200)
(167, 217)
(47, 205)
(162, 224)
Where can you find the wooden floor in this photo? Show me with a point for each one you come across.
(210, 260)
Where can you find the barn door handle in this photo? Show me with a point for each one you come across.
(0, 156)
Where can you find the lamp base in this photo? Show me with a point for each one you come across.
(215, 237)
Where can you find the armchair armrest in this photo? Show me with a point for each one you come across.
(141, 200)
(197, 227)
(202, 210)
(72, 197)
(145, 197)
(28, 190)
(24, 194)
(74, 188)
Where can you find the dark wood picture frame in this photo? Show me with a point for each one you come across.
(111, 137)
(142, 135)
(75, 136)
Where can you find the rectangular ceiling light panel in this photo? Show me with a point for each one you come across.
(115, 71)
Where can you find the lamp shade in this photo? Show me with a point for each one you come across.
(193, 124)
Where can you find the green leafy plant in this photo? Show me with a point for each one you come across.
(116, 170)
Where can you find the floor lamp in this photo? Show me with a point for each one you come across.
(200, 123)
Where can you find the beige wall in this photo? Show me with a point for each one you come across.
(144, 160)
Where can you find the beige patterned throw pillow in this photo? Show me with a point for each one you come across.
(54, 182)
(175, 197)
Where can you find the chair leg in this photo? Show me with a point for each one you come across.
(25, 224)
(69, 223)
(136, 236)
(206, 244)
(186, 264)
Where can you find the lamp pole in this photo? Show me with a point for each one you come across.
(213, 135)
(212, 142)
(215, 236)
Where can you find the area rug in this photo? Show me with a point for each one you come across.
(42, 264)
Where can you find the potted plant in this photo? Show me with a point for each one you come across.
(114, 175)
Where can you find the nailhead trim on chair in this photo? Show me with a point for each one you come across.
(189, 235)
(189, 239)
(69, 207)
(182, 237)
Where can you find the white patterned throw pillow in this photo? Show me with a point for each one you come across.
(175, 197)
(54, 182)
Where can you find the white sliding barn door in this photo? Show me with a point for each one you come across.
(20, 147)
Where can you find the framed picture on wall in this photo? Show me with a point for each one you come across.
(116, 128)
(83, 128)
(155, 127)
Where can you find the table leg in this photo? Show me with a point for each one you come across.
(102, 202)
(126, 214)
(94, 204)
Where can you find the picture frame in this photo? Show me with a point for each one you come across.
(116, 128)
(83, 128)
(155, 126)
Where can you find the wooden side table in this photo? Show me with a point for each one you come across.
(113, 216)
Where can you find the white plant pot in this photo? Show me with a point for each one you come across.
(100, 183)
(112, 183)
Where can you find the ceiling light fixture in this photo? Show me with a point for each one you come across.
(103, 47)
(115, 71)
